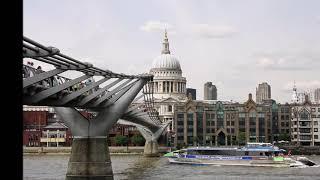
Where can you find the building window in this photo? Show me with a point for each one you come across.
(232, 123)
(287, 124)
(313, 109)
(208, 130)
(287, 117)
(241, 121)
(315, 129)
(170, 108)
(315, 136)
(252, 114)
(304, 115)
(208, 123)
(315, 122)
(232, 130)
(242, 115)
(252, 121)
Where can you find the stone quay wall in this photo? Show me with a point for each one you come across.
(112, 149)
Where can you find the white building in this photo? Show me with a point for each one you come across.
(168, 83)
(305, 123)
(263, 92)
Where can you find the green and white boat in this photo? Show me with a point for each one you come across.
(253, 154)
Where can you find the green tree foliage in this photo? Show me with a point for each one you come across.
(121, 140)
(179, 146)
(137, 140)
(242, 138)
(196, 140)
(284, 137)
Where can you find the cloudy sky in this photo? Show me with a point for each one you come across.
(234, 44)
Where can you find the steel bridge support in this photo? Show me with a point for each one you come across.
(90, 158)
(151, 147)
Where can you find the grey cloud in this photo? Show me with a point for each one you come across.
(288, 62)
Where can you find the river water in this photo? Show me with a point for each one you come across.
(54, 167)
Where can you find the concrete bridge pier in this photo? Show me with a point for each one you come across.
(89, 159)
(151, 149)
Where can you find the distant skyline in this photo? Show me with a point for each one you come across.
(234, 44)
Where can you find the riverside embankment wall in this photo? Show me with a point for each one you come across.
(67, 150)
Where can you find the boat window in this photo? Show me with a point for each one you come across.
(261, 154)
(246, 153)
(207, 152)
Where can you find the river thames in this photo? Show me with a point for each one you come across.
(54, 167)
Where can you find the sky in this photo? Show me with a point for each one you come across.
(234, 44)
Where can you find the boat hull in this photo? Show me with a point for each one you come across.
(254, 163)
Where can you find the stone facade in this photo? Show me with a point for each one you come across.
(317, 95)
(169, 86)
(210, 91)
(222, 122)
(306, 123)
(263, 92)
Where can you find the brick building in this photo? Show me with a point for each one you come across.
(42, 127)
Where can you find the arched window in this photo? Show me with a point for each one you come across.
(304, 115)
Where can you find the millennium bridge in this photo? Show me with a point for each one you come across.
(116, 97)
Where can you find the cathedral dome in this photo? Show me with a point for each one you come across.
(166, 61)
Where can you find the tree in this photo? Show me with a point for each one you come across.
(284, 137)
(137, 139)
(195, 140)
(121, 140)
(242, 138)
(179, 146)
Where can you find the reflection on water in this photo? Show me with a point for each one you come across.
(139, 167)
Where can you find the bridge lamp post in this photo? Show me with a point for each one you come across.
(57, 138)
(47, 138)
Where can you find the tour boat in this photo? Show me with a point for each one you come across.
(253, 154)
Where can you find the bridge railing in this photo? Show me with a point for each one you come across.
(149, 103)
(51, 55)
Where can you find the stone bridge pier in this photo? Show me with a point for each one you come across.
(90, 158)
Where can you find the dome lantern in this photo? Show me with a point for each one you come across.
(165, 43)
(166, 61)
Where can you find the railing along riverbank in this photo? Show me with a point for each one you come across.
(67, 150)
